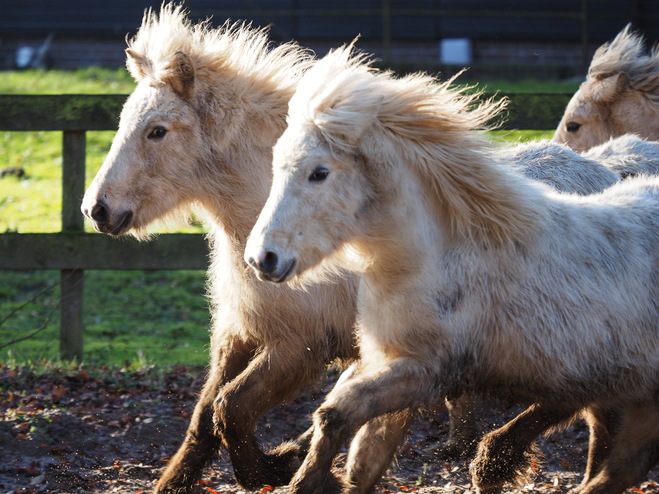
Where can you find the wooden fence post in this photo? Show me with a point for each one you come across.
(71, 280)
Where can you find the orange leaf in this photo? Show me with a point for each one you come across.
(20, 436)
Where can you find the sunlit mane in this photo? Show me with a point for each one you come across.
(626, 54)
(430, 125)
(236, 47)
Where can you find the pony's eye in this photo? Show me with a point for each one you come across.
(573, 126)
(319, 174)
(158, 133)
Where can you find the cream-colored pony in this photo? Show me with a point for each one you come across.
(474, 278)
(620, 96)
(198, 131)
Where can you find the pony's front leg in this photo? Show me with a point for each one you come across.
(373, 448)
(391, 388)
(272, 377)
(201, 443)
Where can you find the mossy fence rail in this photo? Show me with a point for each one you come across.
(72, 251)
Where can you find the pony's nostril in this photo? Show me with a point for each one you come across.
(100, 214)
(268, 262)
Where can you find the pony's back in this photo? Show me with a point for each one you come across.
(560, 167)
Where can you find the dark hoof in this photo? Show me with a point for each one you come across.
(275, 468)
(332, 484)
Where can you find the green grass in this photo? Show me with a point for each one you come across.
(92, 80)
(157, 317)
(137, 316)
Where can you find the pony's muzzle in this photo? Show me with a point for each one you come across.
(269, 268)
(105, 221)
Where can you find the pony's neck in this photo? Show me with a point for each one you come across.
(240, 161)
(467, 199)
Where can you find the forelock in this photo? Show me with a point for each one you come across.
(626, 54)
(235, 47)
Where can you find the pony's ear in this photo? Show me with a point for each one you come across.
(179, 74)
(138, 66)
(608, 88)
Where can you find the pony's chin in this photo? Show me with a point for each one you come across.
(288, 274)
(115, 229)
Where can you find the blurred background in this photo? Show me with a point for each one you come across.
(504, 38)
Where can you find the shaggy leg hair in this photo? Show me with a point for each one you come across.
(201, 443)
(349, 407)
(506, 452)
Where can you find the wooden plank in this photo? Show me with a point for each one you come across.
(101, 112)
(27, 251)
(60, 112)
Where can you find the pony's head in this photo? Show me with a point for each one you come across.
(197, 88)
(354, 135)
(319, 192)
(620, 95)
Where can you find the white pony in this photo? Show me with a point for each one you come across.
(474, 278)
(620, 95)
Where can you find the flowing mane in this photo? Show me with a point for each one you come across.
(625, 54)
(358, 110)
(234, 47)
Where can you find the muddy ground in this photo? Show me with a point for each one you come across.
(100, 430)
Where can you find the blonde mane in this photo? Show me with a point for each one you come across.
(235, 48)
(431, 127)
(625, 54)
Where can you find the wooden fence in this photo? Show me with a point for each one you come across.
(72, 251)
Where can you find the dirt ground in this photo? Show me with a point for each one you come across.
(101, 430)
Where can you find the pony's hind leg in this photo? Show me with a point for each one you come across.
(392, 387)
(505, 453)
(268, 380)
(373, 448)
(201, 443)
(602, 423)
(634, 451)
(463, 433)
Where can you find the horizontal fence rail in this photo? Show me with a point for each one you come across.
(81, 112)
(72, 251)
(82, 251)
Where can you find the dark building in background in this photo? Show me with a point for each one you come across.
(514, 35)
